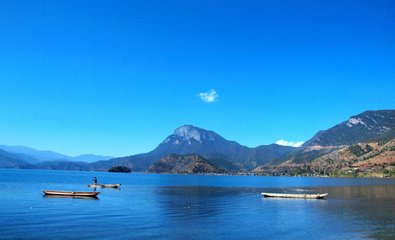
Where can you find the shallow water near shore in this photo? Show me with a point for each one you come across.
(156, 206)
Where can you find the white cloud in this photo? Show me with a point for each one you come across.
(209, 96)
(289, 143)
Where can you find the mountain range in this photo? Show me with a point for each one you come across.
(188, 139)
(32, 156)
(189, 146)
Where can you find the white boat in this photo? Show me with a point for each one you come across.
(297, 195)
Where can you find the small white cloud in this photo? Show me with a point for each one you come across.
(209, 96)
(289, 143)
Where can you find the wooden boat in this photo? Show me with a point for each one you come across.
(70, 193)
(104, 185)
(297, 195)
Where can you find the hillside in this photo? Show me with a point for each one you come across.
(370, 128)
(363, 159)
(373, 159)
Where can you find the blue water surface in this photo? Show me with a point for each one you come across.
(165, 206)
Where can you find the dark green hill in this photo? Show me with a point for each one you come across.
(185, 164)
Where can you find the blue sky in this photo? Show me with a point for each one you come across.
(117, 77)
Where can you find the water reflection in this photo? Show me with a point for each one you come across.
(107, 189)
(188, 203)
(198, 212)
(73, 197)
(374, 206)
(364, 192)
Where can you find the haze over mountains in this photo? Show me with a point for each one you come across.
(207, 150)
(32, 155)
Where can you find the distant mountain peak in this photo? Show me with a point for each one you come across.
(191, 135)
(189, 132)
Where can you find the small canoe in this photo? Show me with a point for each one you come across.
(104, 185)
(289, 195)
(70, 193)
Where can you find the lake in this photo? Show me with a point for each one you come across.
(161, 206)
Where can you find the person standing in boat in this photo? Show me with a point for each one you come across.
(94, 180)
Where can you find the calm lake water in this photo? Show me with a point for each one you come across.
(154, 206)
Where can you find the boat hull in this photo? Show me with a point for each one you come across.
(288, 195)
(104, 185)
(70, 193)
